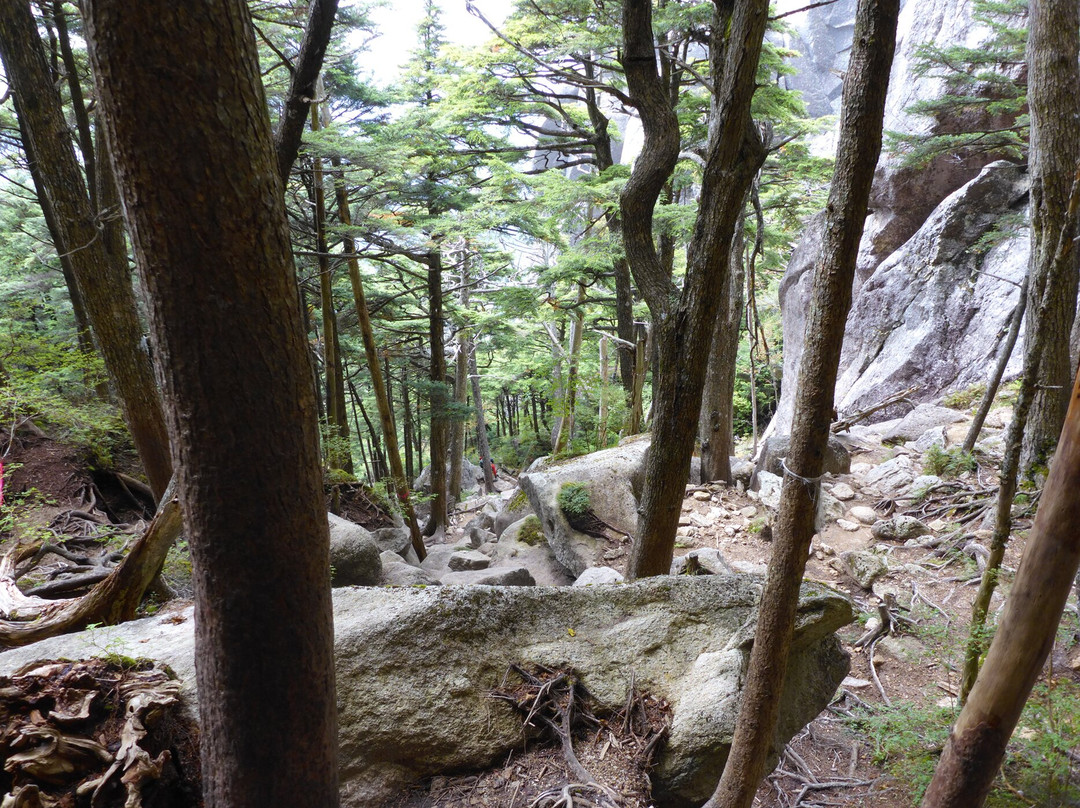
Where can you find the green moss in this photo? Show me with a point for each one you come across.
(531, 533)
(517, 502)
(965, 399)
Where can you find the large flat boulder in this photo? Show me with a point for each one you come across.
(613, 479)
(415, 668)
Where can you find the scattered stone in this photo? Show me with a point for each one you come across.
(595, 576)
(514, 509)
(898, 528)
(507, 575)
(921, 485)
(826, 549)
(748, 567)
(464, 560)
(924, 418)
(829, 509)
(937, 525)
(861, 469)
(864, 514)
(741, 471)
(523, 544)
(354, 554)
(398, 573)
(929, 438)
(769, 486)
(850, 527)
(749, 511)
(855, 684)
(864, 567)
(702, 496)
(893, 475)
(843, 492)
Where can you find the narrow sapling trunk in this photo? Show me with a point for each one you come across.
(863, 108)
(1024, 637)
(196, 166)
(482, 447)
(438, 438)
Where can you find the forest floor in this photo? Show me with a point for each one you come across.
(874, 746)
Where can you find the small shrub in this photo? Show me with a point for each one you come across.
(948, 463)
(965, 399)
(573, 500)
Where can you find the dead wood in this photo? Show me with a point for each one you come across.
(849, 421)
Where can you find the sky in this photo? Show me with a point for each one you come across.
(397, 21)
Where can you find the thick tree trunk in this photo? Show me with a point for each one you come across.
(976, 745)
(862, 111)
(206, 212)
(1054, 96)
(565, 436)
(716, 421)
(104, 283)
(439, 434)
(461, 391)
(683, 322)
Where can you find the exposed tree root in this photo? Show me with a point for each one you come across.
(25, 618)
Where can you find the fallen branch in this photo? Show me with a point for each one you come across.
(849, 421)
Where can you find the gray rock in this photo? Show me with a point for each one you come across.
(898, 528)
(864, 567)
(465, 560)
(398, 573)
(596, 576)
(514, 509)
(742, 471)
(929, 307)
(397, 540)
(829, 509)
(499, 575)
(471, 477)
(354, 554)
(415, 669)
(612, 477)
(864, 514)
(921, 485)
(850, 527)
(843, 492)
(776, 449)
(438, 558)
(769, 486)
(523, 544)
(935, 436)
(921, 419)
(892, 476)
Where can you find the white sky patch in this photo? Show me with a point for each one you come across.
(396, 23)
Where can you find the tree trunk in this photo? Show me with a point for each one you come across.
(104, 283)
(564, 439)
(976, 745)
(482, 447)
(338, 455)
(716, 421)
(197, 169)
(602, 415)
(1054, 96)
(438, 399)
(461, 382)
(683, 322)
(637, 395)
(862, 111)
(378, 384)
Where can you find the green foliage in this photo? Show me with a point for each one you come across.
(983, 107)
(574, 500)
(965, 399)
(907, 739)
(948, 462)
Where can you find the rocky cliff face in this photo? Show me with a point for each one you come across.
(930, 304)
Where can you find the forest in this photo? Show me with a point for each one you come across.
(626, 403)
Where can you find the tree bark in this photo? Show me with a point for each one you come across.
(1054, 97)
(104, 283)
(461, 382)
(205, 208)
(1024, 637)
(683, 322)
(378, 384)
(305, 74)
(440, 424)
(482, 447)
(716, 421)
(862, 111)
